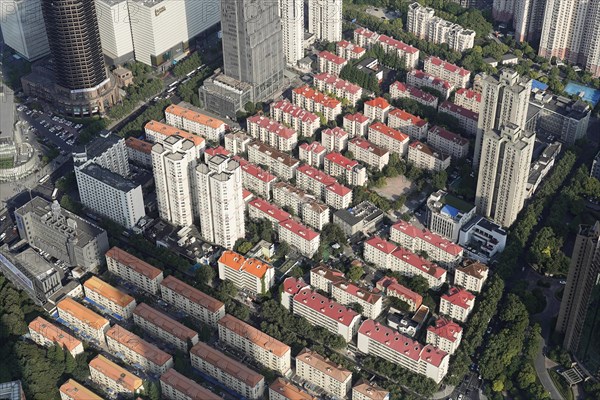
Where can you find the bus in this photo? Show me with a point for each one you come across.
(171, 90)
(44, 179)
(54, 194)
(190, 73)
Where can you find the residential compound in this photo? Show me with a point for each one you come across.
(272, 132)
(372, 155)
(400, 90)
(453, 74)
(89, 324)
(109, 299)
(227, 371)
(316, 102)
(379, 340)
(134, 270)
(192, 301)
(261, 347)
(322, 372)
(412, 125)
(424, 157)
(62, 234)
(114, 378)
(163, 327)
(366, 38)
(338, 166)
(47, 334)
(422, 22)
(437, 248)
(249, 274)
(194, 122)
(326, 82)
(177, 386)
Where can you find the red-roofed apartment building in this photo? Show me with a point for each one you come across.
(302, 121)
(356, 124)
(457, 303)
(424, 157)
(312, 154)
(377, 109)
(194, 122)
(455, 75)
(272, 132)
(342, 89)
(325, 186)
(349, 51)
(256, 179)
(437, 247)
(323, 278)
(381, 341)
(369, 153)
(445, 335)
(420, 78)
(468, 99)
(281, 164)
(467, 119)
(139, 151)
(330, 63)
(335, 139)
(249, 274)
(301, 237)
(412, 125)
(315, 101)
(348, 293)
(337, 165)
(448, 142)
(388, 138)
(391, 287)
(213, 151)
(322, 311)
(291, 287)
(399, 90)
(367, 38)
(386, 255)
(134, 270)
(338, 196)
(259, 208)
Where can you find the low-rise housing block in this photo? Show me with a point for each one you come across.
(335, 139)
(399, 90)
(302, 121)
(330, 63)
(272, 132)
(448, 142)
(47, 334)
(312, 153)
(412, 125)
(134, 270)
(369, 153)
(281, 164)
(89, 324)
(340, 88)
(424, 157)
(356, 124)
(211, 128)
(388, 138)
(248, 274)
(165, 328)
(318, 370)
(353, 173)
(445, 335)
(108, 298)
(455, 75)
(316, 102)
(457, 304)
(114, 378)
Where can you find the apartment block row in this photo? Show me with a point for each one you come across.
(424, 157)
(325, 186)
(330, 63)
(421, 79)
(316, 102)
(281, 164)
(194, 122)
(73, 390)
(312, 153)
(390, 139)
(177, 386)
(114, 378)
(412, 125)
(339, 166)
(448, 142)
(445, 334)
(302, 121)
(369, 153)
(366, 38)
(256, 179)
(386, 255)
(157, 132)
(237, 142)
(356, 124)
(467, 119)
(349, 51)
(457, 303)
(334, 139)
(134, 270)
(249, 274)
(272, 132)
(332, 378)
(108, 298)
(453, 74)
(399, 90)
(377, 109)
(341, 88)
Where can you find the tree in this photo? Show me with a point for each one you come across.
(227, 289)
(439, 179)
(250, 108)
(296, 271)
(244, 247)
(282, 250)
(70, 363)
(355, 272)
(205, 274)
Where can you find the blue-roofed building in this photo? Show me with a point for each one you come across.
(447, 214)
(537, 85)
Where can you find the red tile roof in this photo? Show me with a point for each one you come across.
(339, 189)
(381, 244)
(450, 136)
(316, 174)
(413, 91)
(365, 32)
(314, 147)
(351, 46)
(326, 306)
(449, 66)
(446, 329)
(293, 286)
(138, 345)
(194, 295)
(219, 150)
(387, 131)
(459, 297)
(339, 159)
(402, 344)
(403, 115)
(139, 145)
(316, 96)
(332, 58)
(391, 285)
(456, 109)
(356, 117)
(255, 170)
(337, 132)
(428, 236)
(390, 41)
(270, 209)
(187, 386)
(295, 111)
(131, 261)
(365, 144)
(337, 83)
(298, 229)
(418, 262)
(356, 291)
(378, 102)
(54, 334)
(433, 80)
(272, 126)
(254, 335)
(469, 94)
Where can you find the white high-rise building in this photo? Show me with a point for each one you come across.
(23, 28)
(292, 24)
(325, 19)
(571, 32)
(173, 162)
(220, 201)
(115, 30)
(504, 99)
(161, 29)
(503, 173)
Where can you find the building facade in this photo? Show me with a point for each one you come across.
(47, 334)
(249, 274)
(23, 28)
(325, 19)
(322, 372)
(176, 386)
(114, 378)
(108, 298)
(134, 270)
(91, 325)
(164, 327)
(446, 214)
(194, 122)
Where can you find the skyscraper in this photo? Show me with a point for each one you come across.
(253, 44)
(23, 28)
(582, 293)
(292, 23)
(504, 99)
(325, 19)
(173, 162)
(571, 32)
(503, 172)
(528, 20)
(502, 10)
(220, 202)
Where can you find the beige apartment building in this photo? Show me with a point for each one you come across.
(412, 125)
(47, 334)
(455, 75)
(356, 124)
(109, 298)
(471, 276)
(319, 371)
(445, 334)
(134, 270)
(348, 293)
(335, 139)
(312, 154)
(115, 378)
(377, 109)
(369, 153)
(73, 390)
(249, 274)
(330, 63)
(388, 138)
(365, 390)
(176, 386)
(342, 89)
(302, 121)
(279, 163)
(448, 142)
(165, 328)
(457, 304)
(338, 166)
(316, 102)
(424, 157)
(77, 316)
(183, 118)
(192, 301)
(272, 132)
(282, 389)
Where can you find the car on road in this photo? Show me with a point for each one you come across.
(563, 282)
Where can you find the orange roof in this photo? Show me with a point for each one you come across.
(116, 373)
(192, 294)
(324, 365)
(76, 391)
(54, 333)
(82, 313)
(228, 365)
(289, 391)
(254, 335)
(238, 262)
(187, 386)
(194, 116)
(139, 145)
(164, 322)
(138, 345)
(168, 130)
(131, 261)
(107, 291)
(316, 96)
(378, 102)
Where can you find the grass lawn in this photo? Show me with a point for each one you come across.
(6, 163)
(561, 385)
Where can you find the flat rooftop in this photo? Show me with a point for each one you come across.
(108, 177)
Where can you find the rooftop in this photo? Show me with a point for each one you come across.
(356, 291)
(381, 244)
(365, 211)
(329, 308)
(107, 291)
(455, 69)
(332, 275)
(337, 83)
(76, 391)
(314, 147)
(324, 365)
(402, 344)
(54, 333)
(316, 174)
(116, 373)
(139, 145)
(423, 148)
(82, 313)
(339, 189)
(250, 266)
(219, 150)
(138, 345)
(272, 126)
(428, 236)
(101, 144)
(254, 335)
(403, 115)
(295, 111)
(391, 285)
(413, 91)
(389, 132)
(474, 269)
(356, 117)
(270, 209)
(194, 116)
(255, 170)
(446, 329)
(350, 46)
(378, 102)
(432, 80)
(293, 285)
(370, 147)
(371, 391)
(447, 135)
(299, 229)
(459, 297)
(332, 58)
(231, 367)
(469, 94)
(131, 261)
(187, 386)
(273, 153)
(164, 322)
(456, 109)
(289, 391)
(341, 160)
(192, 294)
(168, 130)
(390, 41)
(316, 96)
(419, 262)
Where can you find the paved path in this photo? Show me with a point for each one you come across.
(542, 373)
